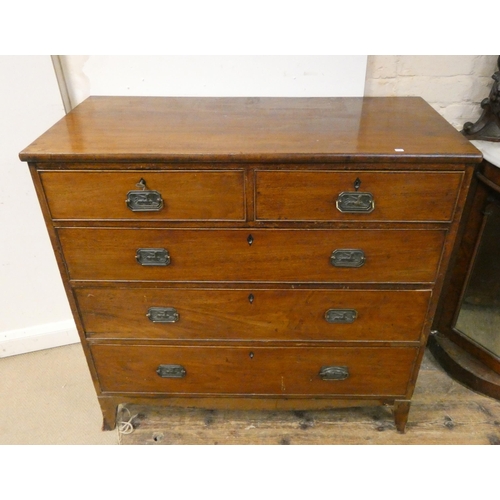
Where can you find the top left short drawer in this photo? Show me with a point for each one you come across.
(145, 195)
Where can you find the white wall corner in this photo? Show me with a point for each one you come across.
(38, 337)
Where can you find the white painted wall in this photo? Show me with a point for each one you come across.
(454, 85)
(214, 75)
(34, 310)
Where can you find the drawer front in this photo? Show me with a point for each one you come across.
(200, 314)
(254, 370)
(380, 196)
(175, 195)
(252, 255)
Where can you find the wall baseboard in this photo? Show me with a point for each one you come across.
(38, 337)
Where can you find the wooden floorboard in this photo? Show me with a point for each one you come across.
(443, 412)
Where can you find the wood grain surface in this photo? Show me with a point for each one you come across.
(397, 196)
(252, 129)
(222, 314)
(216, 255)
(442, 413)
(214, 195)
(254, 370)
(249, 189)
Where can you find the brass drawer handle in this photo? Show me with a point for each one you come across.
(144, 200)
(171, 371)
(152, 257)
(341, 315)
(350, 202)
(163, 315)
(334, 372)
(347, 258)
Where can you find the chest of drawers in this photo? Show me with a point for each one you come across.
(281, 253)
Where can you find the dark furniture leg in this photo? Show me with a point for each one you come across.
(401, 411)
(108, 408)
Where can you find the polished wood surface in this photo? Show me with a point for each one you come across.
(274, 255)
(250, 188)
(236, 370)
(125, 129)
(398, 196)
(199, 195)
(463, 366)
(443, 412)
(248, 315)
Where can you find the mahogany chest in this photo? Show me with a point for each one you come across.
(281, 253)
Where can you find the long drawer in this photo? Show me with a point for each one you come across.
(183, 255)
(356, 195)
(174, 195)
(221, 314)
(287, 371)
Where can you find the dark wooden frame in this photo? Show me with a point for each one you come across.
(464, 359)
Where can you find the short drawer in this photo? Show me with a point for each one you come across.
(221, 314)
(219, 255)
(146, 195)
(356, 195)
(293, 371)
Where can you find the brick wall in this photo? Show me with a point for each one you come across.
(453, 85)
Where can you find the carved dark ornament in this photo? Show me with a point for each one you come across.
(487, 128)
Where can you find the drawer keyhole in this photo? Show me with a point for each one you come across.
(251, 298)
(251, 355)
(250, 239)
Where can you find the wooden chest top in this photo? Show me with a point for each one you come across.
(117, 129)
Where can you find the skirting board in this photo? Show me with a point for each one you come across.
(38, 337)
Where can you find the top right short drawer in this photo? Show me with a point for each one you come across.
(376, 196)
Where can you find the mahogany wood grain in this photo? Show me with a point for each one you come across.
(109, 408)
(464, 366)
(249, 188)
(443, 412)
(263, 129)
(245, 315)
(187, 195)
(398, 196)
(401, 413)
(224, 370)
(389, 165)
(407, 256)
